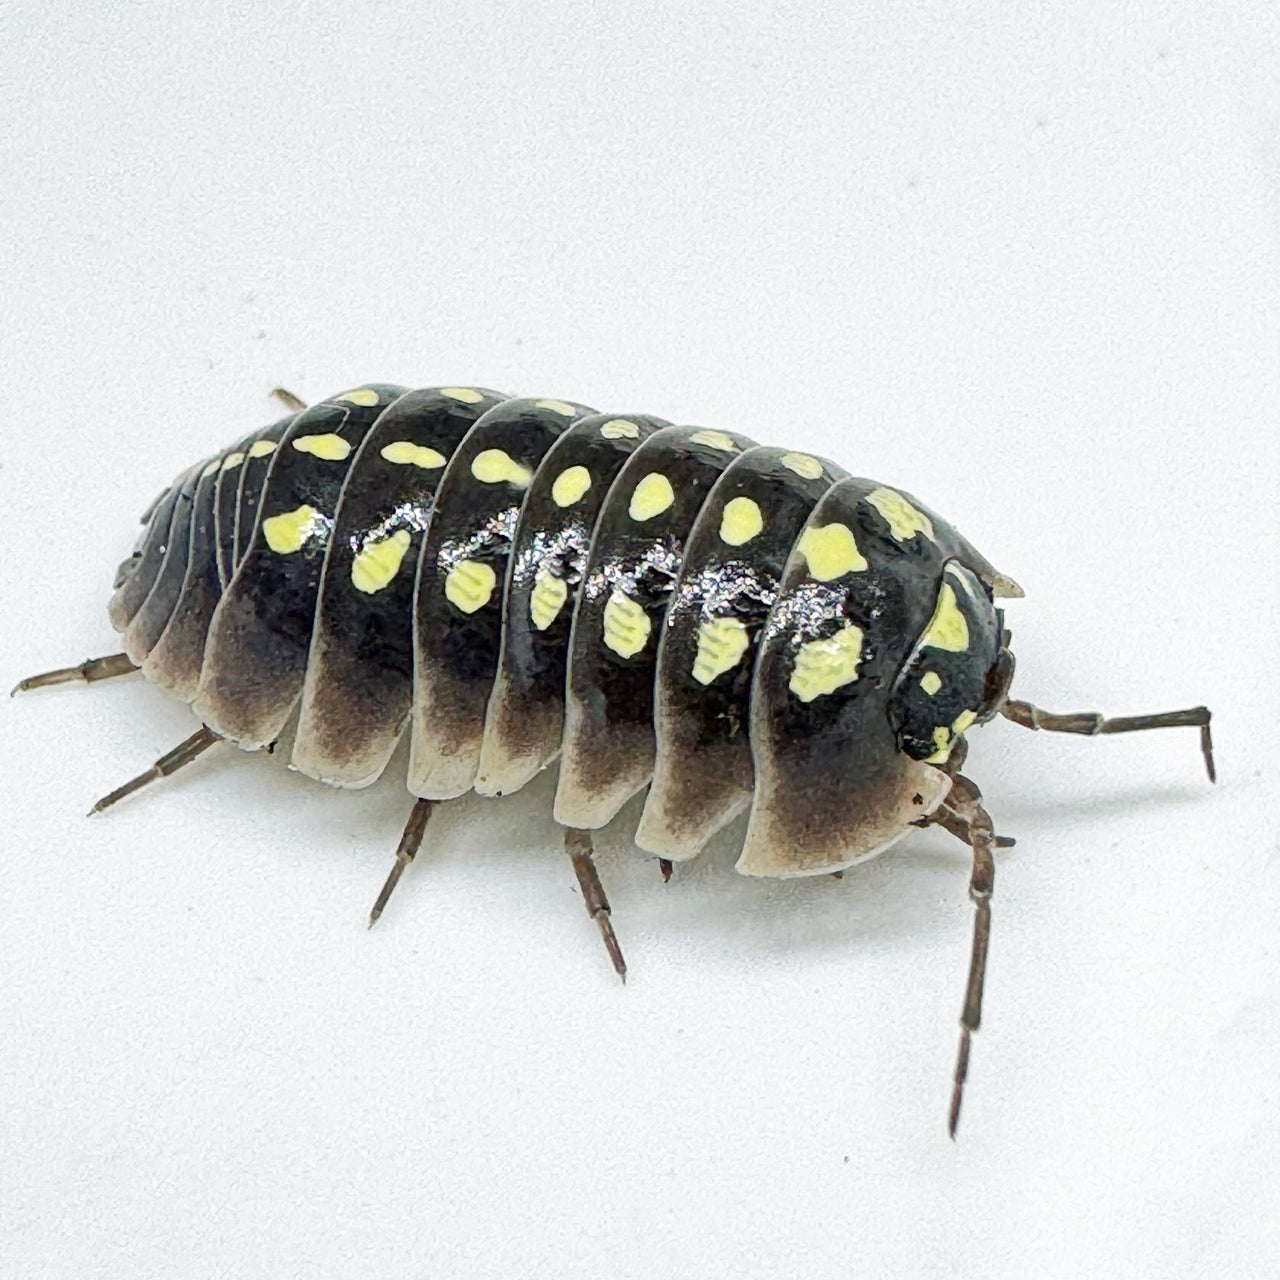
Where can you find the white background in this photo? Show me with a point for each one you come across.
(1022, 265)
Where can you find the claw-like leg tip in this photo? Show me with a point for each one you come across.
(1206, 749)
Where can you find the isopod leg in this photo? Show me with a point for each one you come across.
(577, 845)
(406, 851)
(114, 664)
(954, 825)
(288, 399)
(1090, 723)
(964, 804)
(183, 753)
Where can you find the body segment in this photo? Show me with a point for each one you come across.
(608, 747)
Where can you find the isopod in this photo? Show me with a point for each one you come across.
(516, 582)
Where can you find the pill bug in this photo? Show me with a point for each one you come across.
(516, 582)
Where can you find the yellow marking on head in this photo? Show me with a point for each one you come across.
(211, 469)
(328, 447)
(470, 585)
(404, 453)
(715, 440)
(287, 532)
(366, 397)
(379, 562)
(905, 520)
(556, 406)
(947, 628)
(620, 429)
(260, 448)
(721, 644)
(467, 395)
(626, 625)
(740, 521)
(547, 598)
(651, 497)
(823, 666)
(232, 460)
(570, 485)
(805, 467)
(944, 739)
(942, 745)
(496, 466)
(931, 682)
(830, 551)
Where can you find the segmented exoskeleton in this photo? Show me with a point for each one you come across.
(518, 581)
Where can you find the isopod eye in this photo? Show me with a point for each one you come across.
(996, 689)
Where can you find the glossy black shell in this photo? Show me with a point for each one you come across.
(516, 580)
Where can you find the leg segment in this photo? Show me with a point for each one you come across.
(406, 851)
(114, 664)
(577, 845)
(958, 827)
(965, 806)
(1090, 723)
(183, 753)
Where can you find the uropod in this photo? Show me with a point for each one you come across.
(519, 582)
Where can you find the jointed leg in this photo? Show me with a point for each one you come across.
(577, 845)
(114, 664)
(964, 805)
(171, 762)
(1090, 723)
(954, 825)
(406, 851)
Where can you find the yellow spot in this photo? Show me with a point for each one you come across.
(287, 532)
(741, 521)
(931, 682)
(365, 396)
(547, 598)
(470, 585)
(556, 406)
(721, 644)
(379, 562)
(943, 742)
(494, 466)
(905, 521)
(211, 469)
(942, 745)
(260, 448)
(232, 460)
(620, 429)
(947, 628)
(830, 551)
(715, 440)
(467, 395)
(652, 496)
(570, 485)
(804, 466)
(404, 453)
(328, 448)
(626, 625)
(822, 666)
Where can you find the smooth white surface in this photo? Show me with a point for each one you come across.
(1024, 266)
